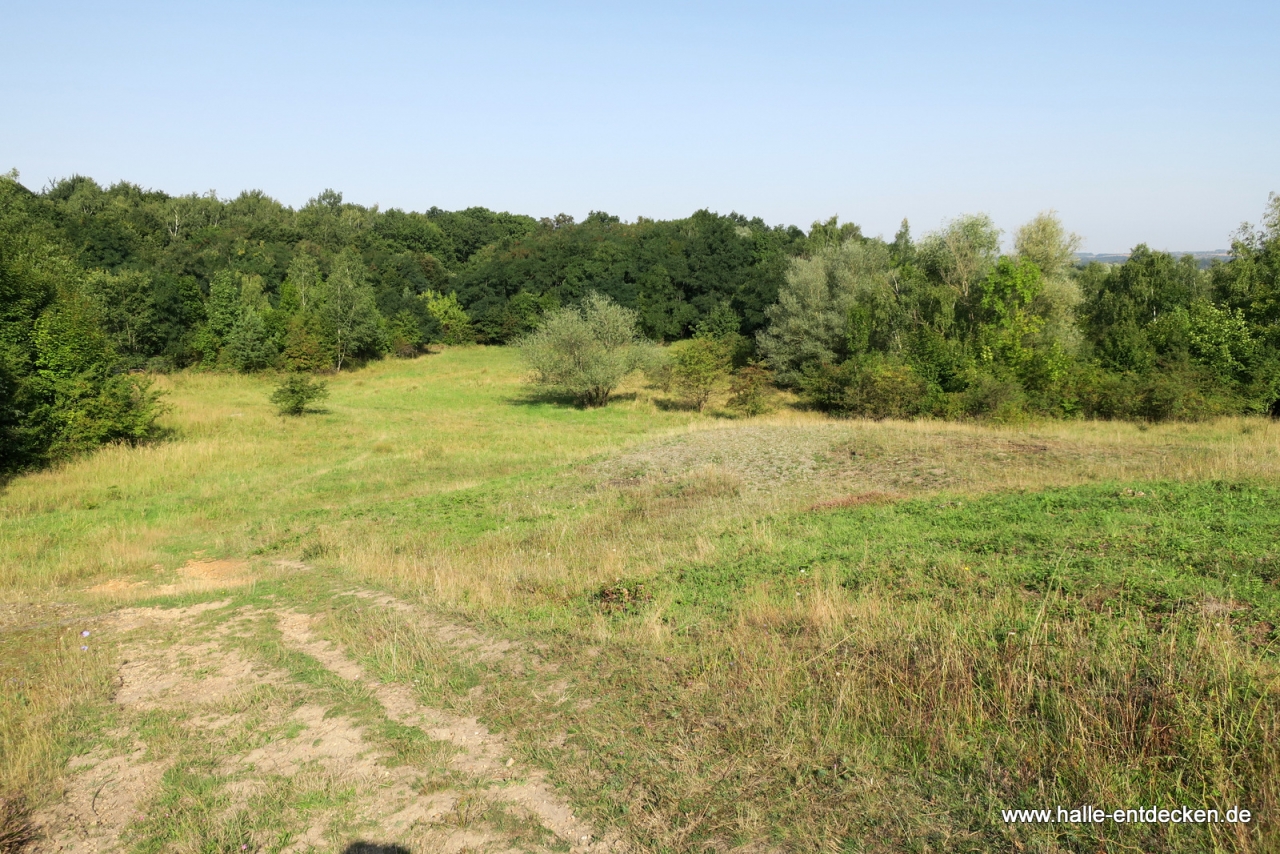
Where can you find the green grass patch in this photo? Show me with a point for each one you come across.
(889, 677)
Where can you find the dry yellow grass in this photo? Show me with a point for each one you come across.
(637, 526)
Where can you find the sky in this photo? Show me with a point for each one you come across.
(1135, 121)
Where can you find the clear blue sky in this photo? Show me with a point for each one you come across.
(1137, 121)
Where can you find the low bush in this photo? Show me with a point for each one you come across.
(748, 389)
(297, 392)
(868, 388)
(697, 367)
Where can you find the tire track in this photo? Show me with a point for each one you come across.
(480, 751)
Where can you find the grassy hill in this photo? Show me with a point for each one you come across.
(449, 614)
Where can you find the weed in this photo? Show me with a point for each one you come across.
(16, 830)
(622, 597)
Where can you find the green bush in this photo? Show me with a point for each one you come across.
(455, 324)
(992, 399)
(697, 367)
(293, 395)
(586, 352)
(62, 387)
(747, 390)
(406, 334)
(660, 371)
(867, 388)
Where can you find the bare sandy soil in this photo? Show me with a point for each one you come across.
(265, 739)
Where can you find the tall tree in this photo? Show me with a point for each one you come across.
(348, 311)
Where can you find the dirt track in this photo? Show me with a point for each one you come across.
(268, 735)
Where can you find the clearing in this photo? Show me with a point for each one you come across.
(446, 615)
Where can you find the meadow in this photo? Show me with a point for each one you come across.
(698, 632)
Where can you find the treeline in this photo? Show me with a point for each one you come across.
(137, 281)
(197, 280)
(100, 286)
(949, 327)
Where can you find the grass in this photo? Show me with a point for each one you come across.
(840, 636)
(890, 677)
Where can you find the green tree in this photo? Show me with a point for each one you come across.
(961, 253)
(1120, 302)
(1046, 243)
(809, 324)
(223, 305)
(348, 313)
(455, 324)
(75, 401)
(832, 233)
(586, 351)
(304, 346)
(698, 366)
(300, 283)
(130, 314)
(1011, 336)
(248, 346)
(297, 392)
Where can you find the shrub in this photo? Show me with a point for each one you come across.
(660, 371)
(697, 367)
(293, 395)
(993, 399)
(1176, 393)
(586, 352)
(747, 390)
(869, 388)
(406, 334)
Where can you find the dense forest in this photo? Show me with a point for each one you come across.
(101, 287)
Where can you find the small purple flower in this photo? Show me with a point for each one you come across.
(85, 633)
(84, 649)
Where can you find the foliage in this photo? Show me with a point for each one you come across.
(674, 274)
(1044, 242)
(297, 392)
(586, 351)
(698, 366)
(872, 387)
(304, 345)
(748, 388)
(455, 325)
(950, 328)
(406, 334)
(810, 322)
(62, 390)
(246, 283)
(349, 317)
(960, 254)
(248, 346)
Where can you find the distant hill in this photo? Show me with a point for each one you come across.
(1204, 256)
